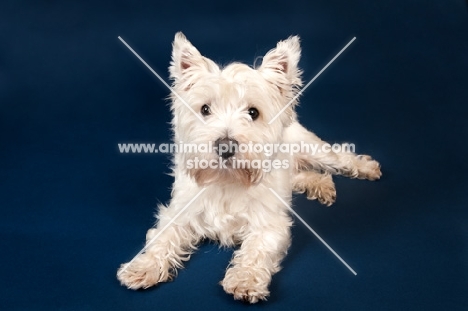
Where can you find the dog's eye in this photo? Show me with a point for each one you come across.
(205, 110)
(253, 113)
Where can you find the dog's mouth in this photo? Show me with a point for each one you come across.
(227, 164)
(228, 173)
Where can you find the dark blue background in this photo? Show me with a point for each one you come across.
(73, 208)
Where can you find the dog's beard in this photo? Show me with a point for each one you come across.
(231, 173)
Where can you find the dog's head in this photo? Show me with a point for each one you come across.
(229, 108)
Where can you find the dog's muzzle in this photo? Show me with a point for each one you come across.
(226, 147)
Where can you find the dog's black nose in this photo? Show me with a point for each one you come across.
(226, 147)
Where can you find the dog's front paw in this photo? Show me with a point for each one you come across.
(368, 168)
(143, 272)
(246, 284)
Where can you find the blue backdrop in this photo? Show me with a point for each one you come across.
(73, 208)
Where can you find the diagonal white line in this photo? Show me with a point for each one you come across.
(313, 231)
(161, 231)
(162, 80)
(310, 82)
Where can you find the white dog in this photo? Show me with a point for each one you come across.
(230, 107)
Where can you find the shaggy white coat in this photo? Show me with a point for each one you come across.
(236, 207)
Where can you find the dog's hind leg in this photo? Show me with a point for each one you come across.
(316, 185)
(320, 156)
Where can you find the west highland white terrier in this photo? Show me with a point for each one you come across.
(238, 205)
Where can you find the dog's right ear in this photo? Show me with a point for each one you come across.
(186, 60)
(280, 66)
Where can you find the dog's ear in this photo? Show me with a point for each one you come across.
(280, 65)
(186, 60)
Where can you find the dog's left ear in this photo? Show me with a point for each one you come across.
(186, 60)
(280, 66)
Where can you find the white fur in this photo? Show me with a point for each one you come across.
(237, 207)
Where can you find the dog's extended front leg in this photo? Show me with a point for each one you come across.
(258, 258)
(165, 251)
